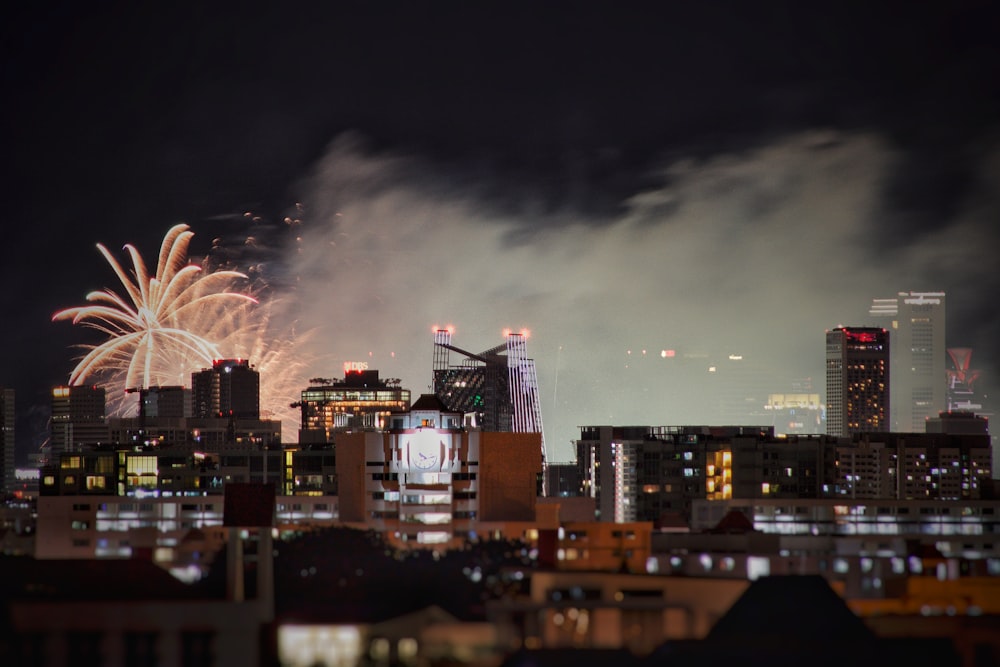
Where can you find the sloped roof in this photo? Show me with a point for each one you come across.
(734, 522)
(801, 610)
(429, 402)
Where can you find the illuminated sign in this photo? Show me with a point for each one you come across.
(355, 366)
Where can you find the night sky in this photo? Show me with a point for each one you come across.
(711, 178)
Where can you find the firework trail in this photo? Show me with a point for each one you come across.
(177, 321)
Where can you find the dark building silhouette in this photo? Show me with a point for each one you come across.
(78, 418)
(230, 388)
(7, 417)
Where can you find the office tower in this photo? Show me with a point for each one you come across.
(497, 390)
(917, 364)
(360, 401)
(230, 388)
(77, 418)
(159, 402)
(857, 380)
(6, 441)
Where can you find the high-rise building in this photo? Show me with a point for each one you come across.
(917, 363)
(7, 417)
(857, 380)
(158, 402)
(78, 418)
(496, 390)
(360, 401)
(230, 388)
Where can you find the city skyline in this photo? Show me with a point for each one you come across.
(615, 184)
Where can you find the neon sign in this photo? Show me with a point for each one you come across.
(355, 366)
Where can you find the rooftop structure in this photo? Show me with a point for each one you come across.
(496, 389)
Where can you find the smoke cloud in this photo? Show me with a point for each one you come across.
(736, 263)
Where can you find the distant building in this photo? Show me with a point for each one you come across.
(795, 413)
(647, 473)
(917, 367)
(171, 401)
(933, 465)
(78, 418)
(360, 401)
(857, 380)
(230, 388)
(7, 417)
(497, 389)
(562, 480)
(963, 381)
(958, 422)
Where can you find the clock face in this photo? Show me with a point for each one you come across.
(424, 461)
(424, 450)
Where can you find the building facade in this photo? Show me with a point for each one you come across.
(230, 388)
(647, 473)
(360, 401)
(429, 481)
(857, 380)
(78, 418)
(904, 466)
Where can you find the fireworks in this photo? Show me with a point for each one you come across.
(167, 325)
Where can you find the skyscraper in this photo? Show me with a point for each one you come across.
(6, 441)
(919, 379)
(857, 380)
(78, 418)
(230, 388)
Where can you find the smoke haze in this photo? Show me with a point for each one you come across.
(751, 254)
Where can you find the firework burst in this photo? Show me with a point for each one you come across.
(167, 324)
